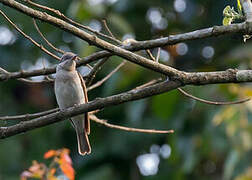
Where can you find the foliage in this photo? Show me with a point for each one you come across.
(60, 166)
(231, 15)
(210, 142)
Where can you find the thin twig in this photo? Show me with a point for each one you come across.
(28, 116)
(154, 81)
(50, 44)
(212, 102)
(41, 34)
(107, 28)
(99, 83)
(158, 54)
(90, 77)
(150, 54)
(151, 131)
(99, 65)
(57, 12)
(28, 37)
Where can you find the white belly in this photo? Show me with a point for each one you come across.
(68, 90)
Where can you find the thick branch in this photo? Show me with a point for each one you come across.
(172, 39)
(98, 103)
(230, 76)
(233, 75)
(92, 39)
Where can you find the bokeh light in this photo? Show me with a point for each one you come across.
(208, 52)
(84, 70)
(165, 151)
(148, 164)
(94, 2)
(164, 55)
(95, 25)
(155, 148)
(154, 16)
(40, 64)
(6, 36)
(179, 5)
(182, 49)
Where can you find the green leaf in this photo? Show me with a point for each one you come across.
(227, 21)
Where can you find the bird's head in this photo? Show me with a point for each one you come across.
(67, 61)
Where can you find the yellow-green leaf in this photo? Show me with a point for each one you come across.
(226, 10)
(239, 5)
(227, 21)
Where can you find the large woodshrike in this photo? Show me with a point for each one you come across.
(70, 90)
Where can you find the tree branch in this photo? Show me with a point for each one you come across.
(230, 76)
(98, 103)
(90, 77)
(99, 83)
(150, 131)
(26, 117)
(212, 102)
(28, 37)
(67, 19)
(43, 37)
(120, 51)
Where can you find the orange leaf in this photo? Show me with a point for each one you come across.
(49, 154)
(65, 158)
(68, 170)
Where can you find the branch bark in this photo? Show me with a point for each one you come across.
(177, 78)
(230, 76)
(98, 103)
(124, 51)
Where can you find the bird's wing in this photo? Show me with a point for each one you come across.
(87, 122)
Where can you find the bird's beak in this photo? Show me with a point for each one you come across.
(74, 58)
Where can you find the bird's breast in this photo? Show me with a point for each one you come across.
(68, 90)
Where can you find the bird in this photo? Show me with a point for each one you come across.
(70, 90)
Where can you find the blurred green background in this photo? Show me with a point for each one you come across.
(210, 142)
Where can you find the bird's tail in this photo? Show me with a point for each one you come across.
(83, 143)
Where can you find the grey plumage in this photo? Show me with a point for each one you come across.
(70, 90)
